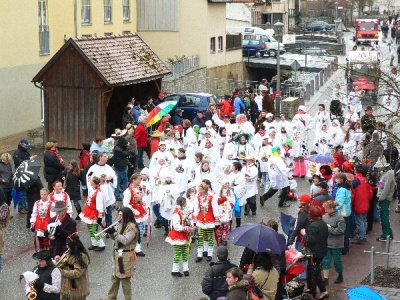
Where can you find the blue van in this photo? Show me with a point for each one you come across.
(254, 47)
(191, 103)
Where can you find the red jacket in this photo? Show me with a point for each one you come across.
(361, 194)
(141, 136)
(225, 107)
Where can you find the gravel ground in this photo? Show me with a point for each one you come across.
(384, 277)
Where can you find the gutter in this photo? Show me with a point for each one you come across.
(42, 91)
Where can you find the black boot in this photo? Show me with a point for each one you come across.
(238, 222)
(339, 279)
(78, 218)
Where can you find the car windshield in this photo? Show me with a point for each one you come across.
(368, 26)
(172, 98)
(212, 99)
(358, 70)
(245, 42)
(191, 100)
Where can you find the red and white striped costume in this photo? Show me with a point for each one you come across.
(63, 196)
(94, 207)
(40, 216)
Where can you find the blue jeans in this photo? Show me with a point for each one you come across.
(108, 215)
(156, 210)
(361, 222)
(139, 159)
(22, 202)
(122, 176)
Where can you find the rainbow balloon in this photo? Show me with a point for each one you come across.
(160, 111)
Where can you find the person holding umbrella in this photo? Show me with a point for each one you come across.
(316, 240)
(265, 275)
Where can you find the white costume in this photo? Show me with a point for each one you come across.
(322, 118)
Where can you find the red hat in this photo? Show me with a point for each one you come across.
(347, 166)
(305, 198)
(160, 95)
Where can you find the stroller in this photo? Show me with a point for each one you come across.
(293, 289)
(336, 111)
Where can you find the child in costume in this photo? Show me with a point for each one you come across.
(133, 198)
(226, 200)
(40, 218)
(178, 237)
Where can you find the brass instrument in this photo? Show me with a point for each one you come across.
(62, 260)
(32, 294)
(104, 230)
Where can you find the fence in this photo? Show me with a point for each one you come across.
(386, 253)
(200, 82)
(183, 66)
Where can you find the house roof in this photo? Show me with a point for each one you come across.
(119, 60)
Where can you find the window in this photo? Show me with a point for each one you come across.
(86, 36)
(85, 12)
(126, 10)
(107, 11)
(44, 36)
(220, 43)
(108, 33)
(126, 32)
(212, 44)
(190, 100)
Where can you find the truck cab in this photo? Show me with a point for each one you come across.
(366, 31)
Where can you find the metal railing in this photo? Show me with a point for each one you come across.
(44, 40)
(386, 253)
(183, 66)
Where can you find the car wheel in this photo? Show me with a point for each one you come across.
(258, 54)
(272, 53)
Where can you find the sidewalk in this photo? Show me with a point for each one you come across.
(357, 263)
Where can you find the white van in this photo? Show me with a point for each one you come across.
(254, 30)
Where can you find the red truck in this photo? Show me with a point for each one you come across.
(366, 31)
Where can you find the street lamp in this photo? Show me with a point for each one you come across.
(279, 30)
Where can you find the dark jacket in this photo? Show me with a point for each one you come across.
(177, 120)
(200, 122)
(6, 175)
(214, 282)
(321, 198)
(302, 222)
(59, 245)
(20, 155)
(316, 238)
(73, 185)
(33, 193)
(45, 277)
(53, 169)
(121, 154)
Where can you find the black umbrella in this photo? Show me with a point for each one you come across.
(26, 174)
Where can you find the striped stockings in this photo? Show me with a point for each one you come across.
(93, 230)
(180, 250)
(209, 232)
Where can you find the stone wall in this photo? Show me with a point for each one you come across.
(218, 80)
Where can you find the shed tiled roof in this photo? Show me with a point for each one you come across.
(122, 60)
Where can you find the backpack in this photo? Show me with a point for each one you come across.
(255, 293)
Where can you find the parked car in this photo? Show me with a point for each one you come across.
(191, 103)
(255, 48)
(271, 44)
(318, 26)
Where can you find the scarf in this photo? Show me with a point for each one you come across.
(57, 155)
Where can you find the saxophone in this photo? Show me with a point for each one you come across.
(32, 294)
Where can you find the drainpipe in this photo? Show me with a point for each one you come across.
(76, 19)
(42, 91)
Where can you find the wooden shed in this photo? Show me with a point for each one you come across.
(89, 81)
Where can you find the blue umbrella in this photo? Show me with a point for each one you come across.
(259, 238)
(364, 293)
(319, 158)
